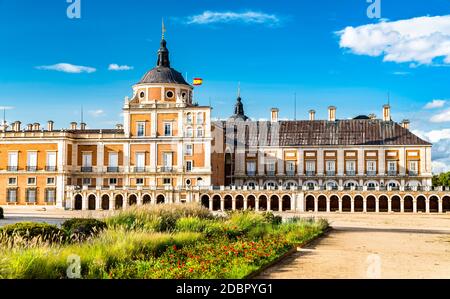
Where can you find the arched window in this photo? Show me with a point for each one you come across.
(199, 182)
(189, 118)
(200, 118)
(189, 132)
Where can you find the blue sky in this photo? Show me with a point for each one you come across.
(274, 48)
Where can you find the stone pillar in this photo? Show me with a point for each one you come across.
(328, 205)
(352, 205)
(280, 204)
(233, 204)
(98, 201)
(112, 202)
(377, 205)
(125, 201)
(139, 199)
(211, 204)
(427, 205)
(440, 205)
(340, 205)
(316, 205)
(256, 204)
(414, 205)
(365, 205)
(389, 205)
(245, 204)
(269, 208)
(222, 204)
(402, 205)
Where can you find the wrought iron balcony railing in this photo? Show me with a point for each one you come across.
(86, 169)
(50, 168)
(112, 169)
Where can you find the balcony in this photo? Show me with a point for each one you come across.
(350, 173)
(392, 173)
(271, 172)
(31, 168)
(371, 173)
(310, 173)
(86, 169)
(413, 173)
(112, 169)
(331, 173)
(139, 169)
(290, 172)
(166, 169)
(251, 172)
(50, 168)
(13, 168)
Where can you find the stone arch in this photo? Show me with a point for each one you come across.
(332, 183)
(251, 202)
(393, 184)
(105, 202)
(350, 183)
(286, 203)
(119, 202)
(274, 203)
(413, 183)
(78, 204)
(334, 203)
(434, 204)
(271, 184)
(395, 204)
(262, 201)
(146, 199)
(228, 202)
(346, 203)
(160, 199)
(289, 184)
(205, 200)
(408, 204)
(383, 203)
(132, 200)
(92, 200)
(359, 203)
(310, 184)
(421, 203)
(239, 202)
(310, 199)
(322, 203)
(446, 204)
(371, 184)
(371, 203)
(251, 184)
(216, 202)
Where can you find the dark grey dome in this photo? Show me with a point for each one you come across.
(162, 74)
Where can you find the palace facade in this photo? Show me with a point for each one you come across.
(169, 151)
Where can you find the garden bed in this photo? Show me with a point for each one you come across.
(167, 241)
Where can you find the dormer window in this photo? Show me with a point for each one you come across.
(169, 94)
(141, 94)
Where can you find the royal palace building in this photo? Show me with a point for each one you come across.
(168, 150)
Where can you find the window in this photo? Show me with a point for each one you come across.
(31, 181)
(270, 167)
(189, 132)
(51, 161)
(51, 181)
(189, 118)
(169, 94)
(142, 94)
(167, 129)
(251, 167)
(371, 167)
(12, 181)
(290, 167)
(166, 181)
(12, 195)
(140, 129)
(86, 181)
(113, 164)
(50, 195)
(392, 166)
(30, 195)
(310, 166)
(13, 161)
(188, 182)
(31, 161)
(87, 160)
(330, 166)
(199, 182)
(140, 162)
(113, 181)
(167, 161)
(413, 167)
(200, 132)
(188, 166)
(140, 181)
(189, 149)
(200, 118)
(350, 167)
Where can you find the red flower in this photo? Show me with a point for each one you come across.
(174, 247)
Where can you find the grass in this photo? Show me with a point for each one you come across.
(167, 241)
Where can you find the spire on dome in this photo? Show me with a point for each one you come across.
(163, 52)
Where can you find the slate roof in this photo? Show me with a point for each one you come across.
(354, 132)
(162, 74)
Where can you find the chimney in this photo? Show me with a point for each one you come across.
(16, 127)
(312, 115)
(274, 114)
(119, 127)
(331, 113)
(386, 113)
(36, 126)
(405, 124)
(372, 116)
(82, 126)
(30, 127)
(50, 125)
(73, 125)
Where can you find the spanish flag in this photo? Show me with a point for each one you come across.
(198, 81)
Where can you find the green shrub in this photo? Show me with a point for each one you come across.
(82, 228)
(190, 224)
(2, 216)
(271, 218)
(28, 231)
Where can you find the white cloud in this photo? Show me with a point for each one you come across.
(67, 68)
(441, 117)
(435, 104)
(401, 73)
(6, 108)
(440, 150)
(440, 167)
(96, 113)
(210, 17)
(116, 67)
(417, 41)
(434, 135)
